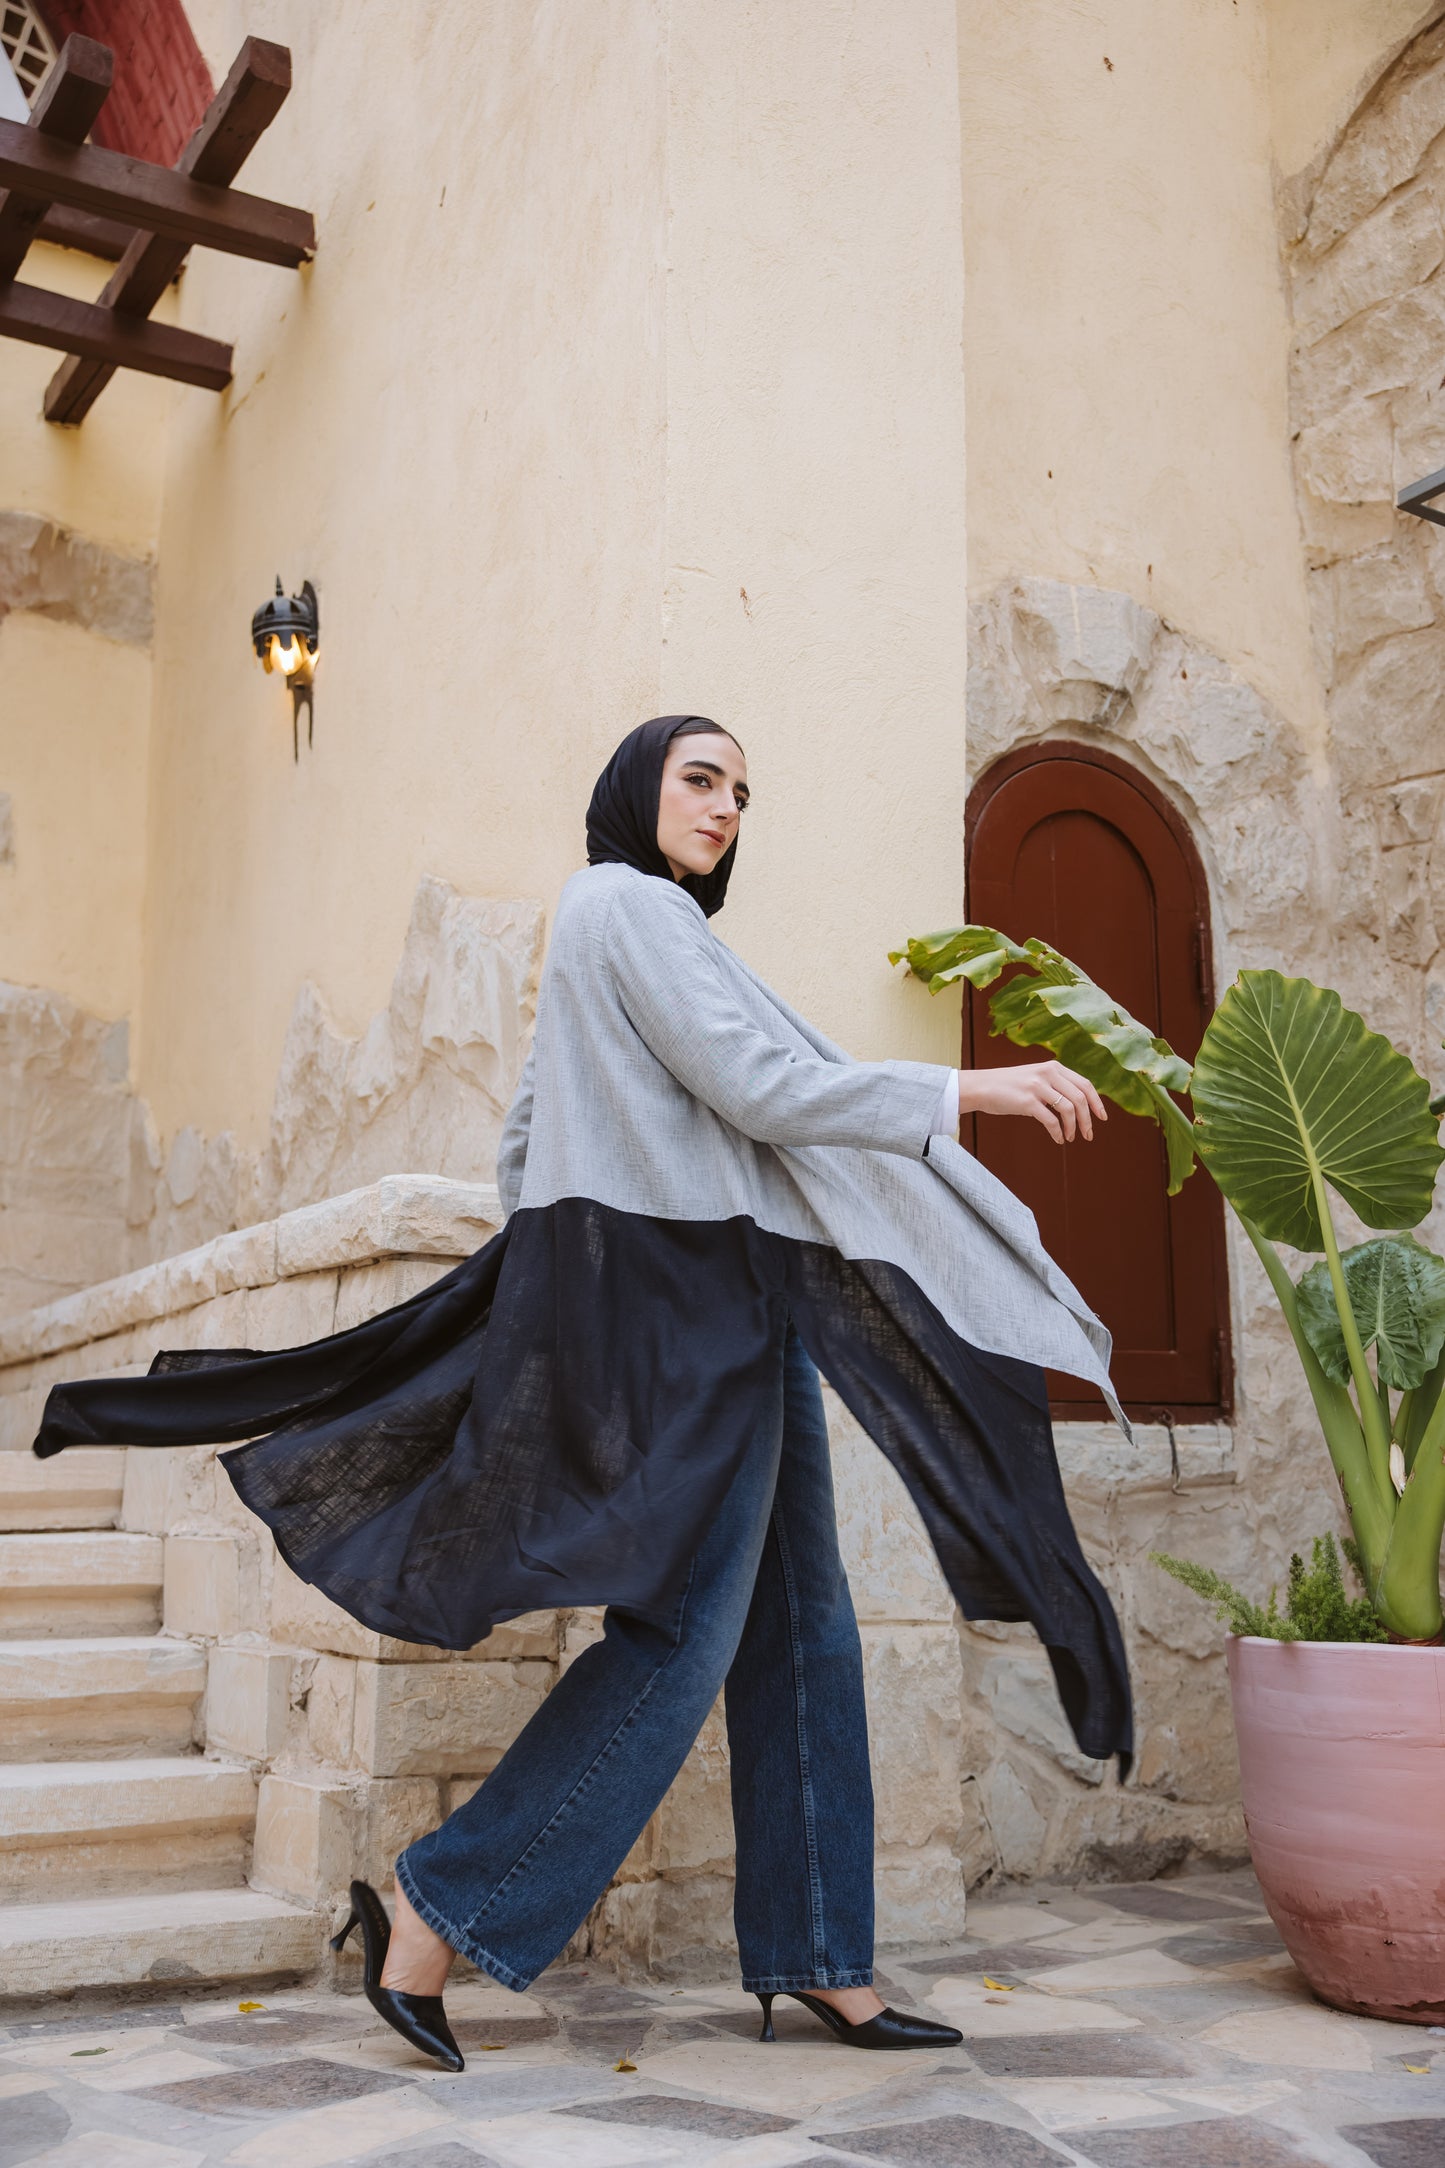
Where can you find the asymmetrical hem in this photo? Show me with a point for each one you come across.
(556, 1421)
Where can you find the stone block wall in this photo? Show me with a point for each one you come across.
(1365, 259)
(88, 1190)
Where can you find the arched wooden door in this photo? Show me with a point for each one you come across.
(1076, 847)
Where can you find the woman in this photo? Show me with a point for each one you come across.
(612, 1403)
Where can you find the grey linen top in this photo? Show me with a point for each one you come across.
(667, 1079)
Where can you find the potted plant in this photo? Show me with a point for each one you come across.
(1339, 1706)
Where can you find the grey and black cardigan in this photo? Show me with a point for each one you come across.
(687, 1164)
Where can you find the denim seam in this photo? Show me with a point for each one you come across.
(603, 1755)
(817, 1935)
(466, 1945)
(792, 1983)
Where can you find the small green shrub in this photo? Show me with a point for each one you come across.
(1317, 1606)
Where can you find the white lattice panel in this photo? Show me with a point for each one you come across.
(28, 44)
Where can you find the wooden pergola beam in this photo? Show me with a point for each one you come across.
(40, 318)
(74, 93)
(236, 119)
(154, 197)
(83, 230)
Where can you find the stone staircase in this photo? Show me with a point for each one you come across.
(146, 1694)
(124, 1847)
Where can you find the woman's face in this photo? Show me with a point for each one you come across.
(704, 790)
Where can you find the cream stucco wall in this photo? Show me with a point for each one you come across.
(1126, 335)
(451, 423)
(1323, 57)
(74, 768)
(75, 704)
(629, 375)
(815, 480)
(616, 311)
(103, 480)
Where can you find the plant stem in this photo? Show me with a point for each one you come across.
(1373, 1423)
(1423, 1402)
(1408, 1595)
(1382, 1394)
(1343, 1438)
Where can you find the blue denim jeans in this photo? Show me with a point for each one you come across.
(766, 1612)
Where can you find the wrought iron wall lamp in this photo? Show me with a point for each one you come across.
(1419, 498)
(285, 633)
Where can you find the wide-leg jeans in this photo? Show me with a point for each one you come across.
(766, 1612)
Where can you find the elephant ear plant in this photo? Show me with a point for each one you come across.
(1293, 1097)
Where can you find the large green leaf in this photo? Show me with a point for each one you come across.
(1397, 1292)
(975, 953)
(1290, 1083)
(1052, 1003)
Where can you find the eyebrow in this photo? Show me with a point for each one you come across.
(713, 769)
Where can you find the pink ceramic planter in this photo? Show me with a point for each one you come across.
(1342, 1767)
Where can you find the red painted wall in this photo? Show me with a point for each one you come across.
(162, 86)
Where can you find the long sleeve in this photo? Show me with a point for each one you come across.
(675, 991)
(512, 1151)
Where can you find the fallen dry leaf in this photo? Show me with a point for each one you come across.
(624, 2065)
(1002, 1986)
(250, 2006)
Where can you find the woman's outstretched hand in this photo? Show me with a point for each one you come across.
(1066, 1103)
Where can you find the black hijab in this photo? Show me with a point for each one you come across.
(622, 818)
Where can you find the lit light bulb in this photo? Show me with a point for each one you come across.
(288, 654)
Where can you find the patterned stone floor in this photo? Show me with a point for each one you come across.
(1153, 2026)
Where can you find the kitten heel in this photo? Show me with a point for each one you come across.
(338, 1942)
(767, 2032)
(885, 2029)
(420, 2019)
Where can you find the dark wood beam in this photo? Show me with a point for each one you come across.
(74, 93)
(154, 197)
(240, 113)
(83, 230)
(236, 119)
(39, 318)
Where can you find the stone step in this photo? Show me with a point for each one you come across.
(188, 1936)
(92, 1700)
(80, 1829)
(79, 1489)
(77, 1585)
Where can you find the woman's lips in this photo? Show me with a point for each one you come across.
(710, 835)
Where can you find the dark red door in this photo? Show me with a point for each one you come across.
(1075, 846)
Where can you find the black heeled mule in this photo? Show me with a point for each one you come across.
(885, 2029)
(420, 2019)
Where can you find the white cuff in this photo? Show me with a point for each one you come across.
(947, 1118)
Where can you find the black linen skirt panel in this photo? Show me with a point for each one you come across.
(555, 1421)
